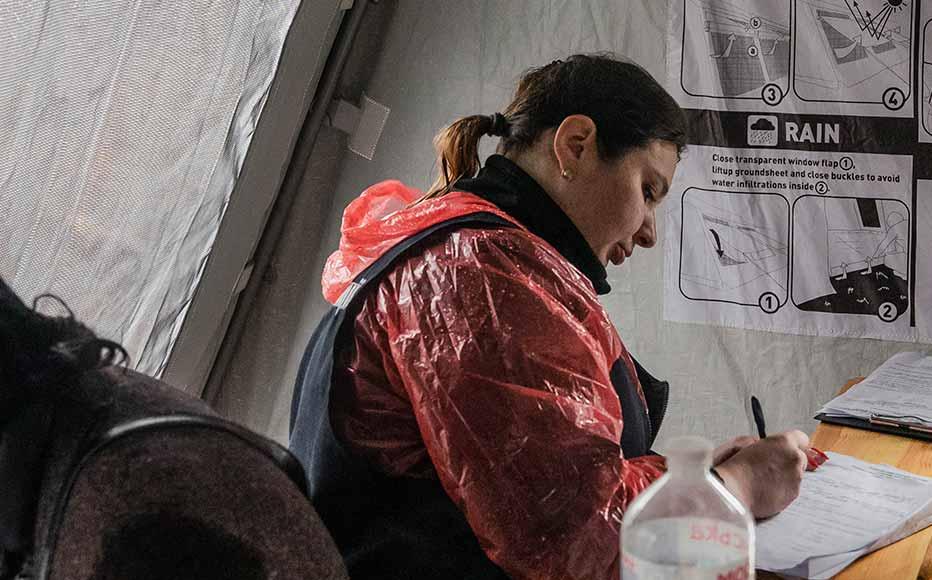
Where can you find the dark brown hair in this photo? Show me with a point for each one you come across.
(39, 352)
(630, 109)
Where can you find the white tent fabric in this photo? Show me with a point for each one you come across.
(449, 58)
(125, 125)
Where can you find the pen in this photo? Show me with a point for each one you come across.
(758, 413)
(814, 457)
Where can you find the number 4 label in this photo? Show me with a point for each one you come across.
(894, 99)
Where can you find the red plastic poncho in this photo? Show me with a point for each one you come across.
(483, 358)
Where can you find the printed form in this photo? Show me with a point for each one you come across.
(845, 509)
(899, 389)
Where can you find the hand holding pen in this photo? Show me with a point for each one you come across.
(814, 457)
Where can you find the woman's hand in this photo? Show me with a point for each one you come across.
(765, 475)
(726, 450)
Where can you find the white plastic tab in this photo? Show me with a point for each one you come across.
(368, 131)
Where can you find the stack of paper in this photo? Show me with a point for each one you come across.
(898, 393)
(845, 509)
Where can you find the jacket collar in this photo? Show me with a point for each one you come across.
(516, 193)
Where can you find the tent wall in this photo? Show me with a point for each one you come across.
(125, 127)
(448, 58)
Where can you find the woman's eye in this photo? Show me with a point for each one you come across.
(648, 194)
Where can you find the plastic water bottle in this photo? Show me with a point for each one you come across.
(687, 525)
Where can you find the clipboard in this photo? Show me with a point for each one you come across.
(881, 426)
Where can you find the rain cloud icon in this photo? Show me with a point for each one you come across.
(763, 125)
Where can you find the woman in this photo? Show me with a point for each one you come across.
(467, 409)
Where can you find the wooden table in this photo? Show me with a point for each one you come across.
(910, 557)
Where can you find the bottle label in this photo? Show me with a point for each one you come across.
(634, 568)
(687, 548)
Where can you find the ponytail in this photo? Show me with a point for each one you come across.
(458, 150)
(629, 108)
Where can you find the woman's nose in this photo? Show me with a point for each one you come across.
(647, 235)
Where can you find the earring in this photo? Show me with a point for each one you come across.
(567, 175)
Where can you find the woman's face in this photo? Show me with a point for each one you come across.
(618, 200)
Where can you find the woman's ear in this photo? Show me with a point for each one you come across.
(574, 144)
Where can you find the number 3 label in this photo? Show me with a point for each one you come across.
(772, 94)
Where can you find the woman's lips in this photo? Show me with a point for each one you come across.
(618, 255)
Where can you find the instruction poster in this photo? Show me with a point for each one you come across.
(804, 201)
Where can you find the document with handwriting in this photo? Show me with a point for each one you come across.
(845, 509)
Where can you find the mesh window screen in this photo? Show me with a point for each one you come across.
(124, 125)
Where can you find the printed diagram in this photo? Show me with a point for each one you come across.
(854, 51)
(734, 248)
(731, 50)
(851, 256)
(927, 78)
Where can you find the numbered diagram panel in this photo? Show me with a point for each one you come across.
(851, 256)
(854, 51)
(927, 79)
(736, 49)
(734, 248)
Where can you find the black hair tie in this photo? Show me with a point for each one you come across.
(499, 126)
